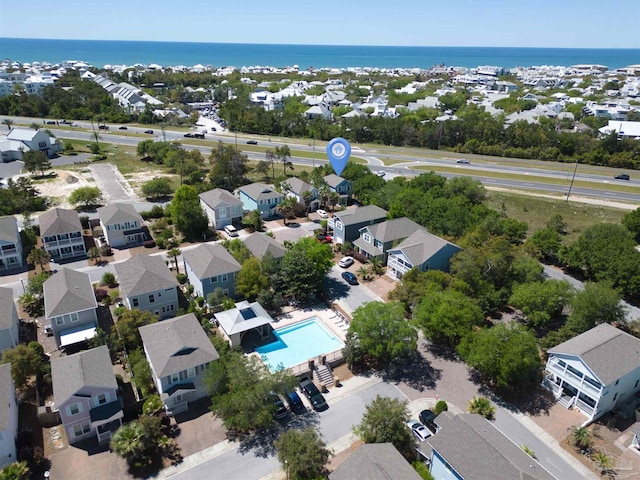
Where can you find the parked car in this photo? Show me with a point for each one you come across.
(346, 262)
(150, 132)
(313, 394)
(213, 129)
(622, 176)
(231, 231)
(123, 127)
(322, 213)
(295, 402)
(350, 278)
(280, 409)
(252, 142)
(419, 430)
(322, 238)
(427, 417)
(48, 331)
(463, 160)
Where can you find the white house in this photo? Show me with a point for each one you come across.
(20, 140)
(221, 207)
(121, 225)
(61, 233)
(8, 417)
(595, 371)
(10, 244)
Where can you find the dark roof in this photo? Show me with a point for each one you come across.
(258, 244)
(218, 196)
(59, 220)
(477, 450)
(177, 344)
(68, 291)
(142, 274)
(367, 213)
(90, 368)
(118, 213)
(421, 245)
(210, 260)
(375, 461)
(609, 352)
(260, 191)
(9, 229)
(8, 313)
(7, 394)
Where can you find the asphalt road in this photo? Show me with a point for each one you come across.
(351, 296)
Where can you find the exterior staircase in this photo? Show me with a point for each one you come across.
(323, 375)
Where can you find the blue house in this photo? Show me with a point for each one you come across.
(339, 185)
(258, 196)
(211, 266)
(346, 224)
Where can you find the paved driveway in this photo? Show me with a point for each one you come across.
(111, 183)
(348, 296)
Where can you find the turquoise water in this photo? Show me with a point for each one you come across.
(102, 52)
(297, 343)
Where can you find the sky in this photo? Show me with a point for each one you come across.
(513, 23)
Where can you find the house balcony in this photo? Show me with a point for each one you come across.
(63, 243)
(8, 252)
(584, 408)
(573, 379)
(549, 384)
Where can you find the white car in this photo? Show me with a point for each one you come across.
(322, 213)
(346, 262)
(463, 160)
(380, 173)
(419, 430)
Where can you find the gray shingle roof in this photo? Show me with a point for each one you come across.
(177, 344)
(143, 274)
(9, 229)
(478, 451)
(333, 180)
(68, 291)
(7, 308)
(258, 244)
(90, 368)
(298, 186)
(609, 352)
(361, 214)
(7, 393)
(118, 213)
(375, 461)
(421, 245)
(59, 220)
(260, 191)
(218, 196)
(244, 316)
(207, 260)
(395, 229)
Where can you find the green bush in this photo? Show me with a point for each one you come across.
(152, 405)
(182, 278)
(441, 406)
(422, 470)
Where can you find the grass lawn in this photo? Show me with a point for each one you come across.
(536, 212)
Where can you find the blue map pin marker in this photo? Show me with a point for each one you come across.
(338, 151)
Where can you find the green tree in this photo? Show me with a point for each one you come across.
(85, 196)
(141, 372)
(157, 187)
(283, 154)
(542, 302)
(16, 471)
(302, 454)
(441, 406)
(544, 244)
(385, 420)
(94, 254)
(250, 280)
(631, 220)
(36, 161)
(128, 324)
(228, 167)
(288, 208)
(108, 279)
(25, 363)
(8, 122)
(39, 256)
(142, 443)
(175, 253)
(482, 406)
(381, 331)
(597, 303)
(253, 221)
(237, 249)
(447, 316)
(34, 286)
(580, 437)
(187, 214)
(506, 355)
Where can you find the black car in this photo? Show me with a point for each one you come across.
(622, 176)
(280, 410)
(188, 135)
(313, 394)
(252, 142)
(150, 132)
(295, 403)
(427, 417)
(350, 278)
(122, 127)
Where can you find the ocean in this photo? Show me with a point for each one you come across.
(102, 52)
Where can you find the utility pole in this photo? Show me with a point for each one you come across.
(314, 151)
(572, 179)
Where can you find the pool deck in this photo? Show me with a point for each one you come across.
(323, 313)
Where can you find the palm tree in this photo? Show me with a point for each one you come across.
(580, 437)
(15, 471)
(270, 157)
(96, 137)
(364, 273)
(482, 406)
(39, 256)
(376, 265)
(94, 253)
(283, 153)
(8, 122)
(287, 208)
(603, 461)
(174, 253)
(128, 443)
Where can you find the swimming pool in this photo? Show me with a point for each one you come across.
(297, 343)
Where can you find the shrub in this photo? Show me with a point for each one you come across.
(182, 278)
(441, 406)
(482, 406)
(152, 405)
(105, 251)
(190, 289)
(119, 311)
(108, 279)
(100, 294)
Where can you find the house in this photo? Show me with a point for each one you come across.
(20, 140)
(258, 196)
(221, 207)
(10, 244)
(468, 447)
(242, 319)
(421, 250)
(9, 321)
(85, 393)
(61, 233)
(146, 283)
(622, 129)
(8, 417)
(375, 461)
(121, 225)
(303, 192)
(346, 224)
(375, 240)
(259, 244)
(211, 266)
(320, 110)
(594, 372)
(339, 185)
(178, 351)
(70, 306)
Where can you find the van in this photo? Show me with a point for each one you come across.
(231, 231)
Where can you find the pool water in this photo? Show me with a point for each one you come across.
(297, 343)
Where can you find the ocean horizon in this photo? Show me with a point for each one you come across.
(118, 52)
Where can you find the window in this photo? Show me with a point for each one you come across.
(81, 428)
(135, 302)
(159, 294)
(224, 277)
(615, 396)
(366, 237)
(102, 399)
(74, 409)
(59, 320)
(214, 279)
(175, 377)
(74, 317)
(178, 398)
(152, 298)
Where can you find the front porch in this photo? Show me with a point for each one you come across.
(568, 396)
